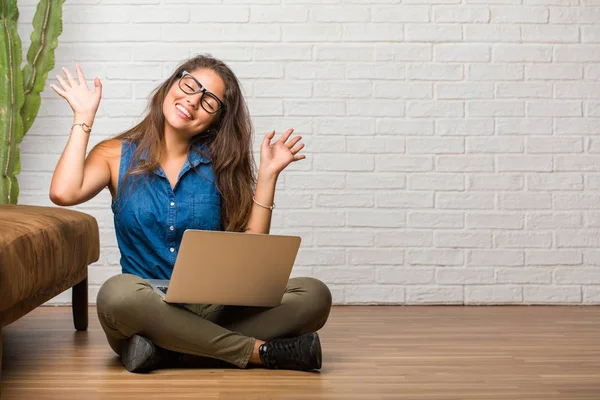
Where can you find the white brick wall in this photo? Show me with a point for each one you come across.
(452, 146)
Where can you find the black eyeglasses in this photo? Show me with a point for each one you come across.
(190, 85)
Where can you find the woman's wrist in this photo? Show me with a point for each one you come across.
(267, 176)
(84, 118)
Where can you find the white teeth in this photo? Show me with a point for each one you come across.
(183, 110)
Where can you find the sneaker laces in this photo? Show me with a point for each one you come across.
(289, 351)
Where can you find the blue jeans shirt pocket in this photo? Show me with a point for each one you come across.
(206, 212)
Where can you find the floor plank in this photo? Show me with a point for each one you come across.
(370, 352)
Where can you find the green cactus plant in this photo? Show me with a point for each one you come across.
(20, 88)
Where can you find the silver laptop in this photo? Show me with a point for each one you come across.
(230, 268)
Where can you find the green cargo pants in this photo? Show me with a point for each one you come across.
(127, 305)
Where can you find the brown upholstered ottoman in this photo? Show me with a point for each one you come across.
(43, 252)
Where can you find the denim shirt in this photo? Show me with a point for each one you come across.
(150, 218)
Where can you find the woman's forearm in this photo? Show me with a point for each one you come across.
(260, 217)
(68, 175)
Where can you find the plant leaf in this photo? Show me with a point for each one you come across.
(47, 24)
(11, 100)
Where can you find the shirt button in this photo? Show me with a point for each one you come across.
(172, 249)
(171, 227)
(172, 203)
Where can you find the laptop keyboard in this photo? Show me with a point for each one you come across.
(163, 289)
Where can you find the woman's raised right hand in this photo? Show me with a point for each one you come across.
(77, 93)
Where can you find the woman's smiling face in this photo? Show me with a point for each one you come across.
(183, 111)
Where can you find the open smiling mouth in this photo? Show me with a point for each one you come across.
(182, 112)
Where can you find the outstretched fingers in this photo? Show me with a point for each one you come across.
(297, 148)
(285, 136)
(70, 78)
(267, 139)
(293, 142)
(80, 76)
(60, 92)
(64, 85)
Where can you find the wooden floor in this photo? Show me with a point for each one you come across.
(441, 353)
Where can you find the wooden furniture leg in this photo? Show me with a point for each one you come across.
(80, 305)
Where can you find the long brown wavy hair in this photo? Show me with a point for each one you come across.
(228, 142)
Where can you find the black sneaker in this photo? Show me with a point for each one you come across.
(301, 353)
(141, 355)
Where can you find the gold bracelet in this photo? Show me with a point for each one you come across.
(83, 126)
(262, 205)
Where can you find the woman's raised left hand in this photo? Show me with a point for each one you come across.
(274, 157)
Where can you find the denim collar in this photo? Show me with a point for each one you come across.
(197, 158)
(194, 158)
